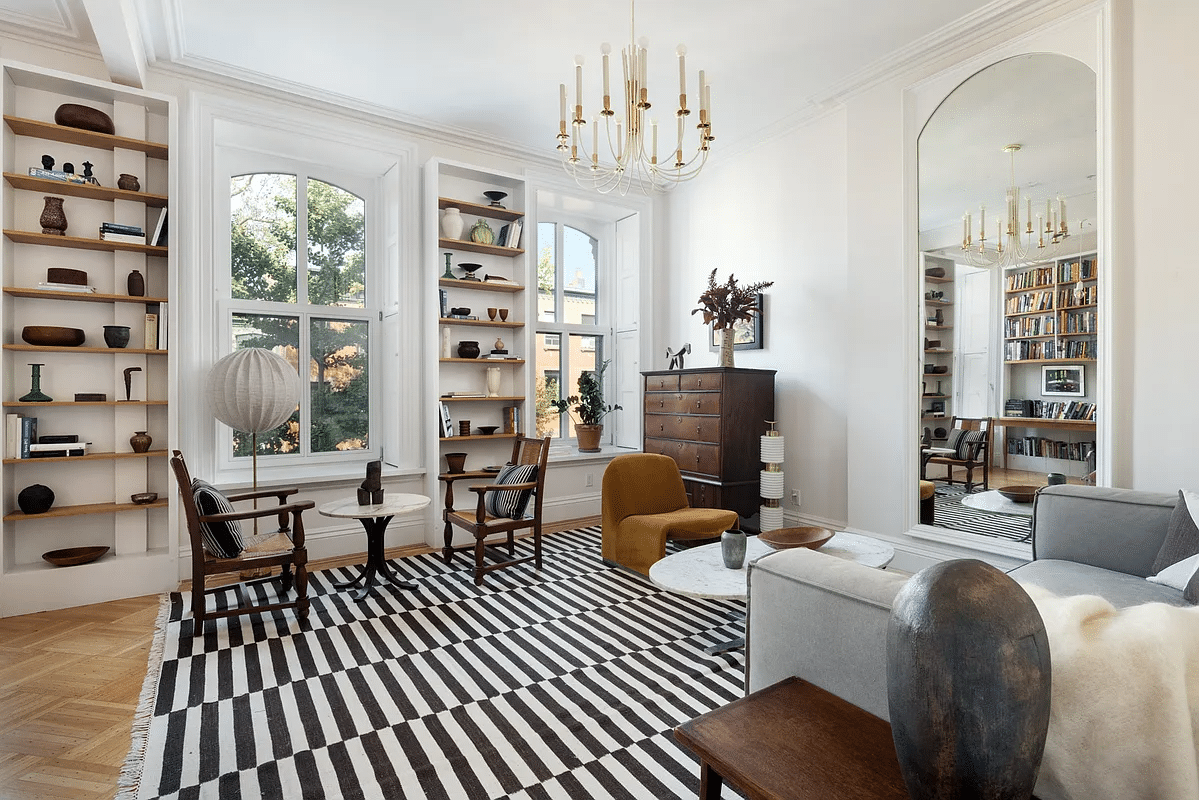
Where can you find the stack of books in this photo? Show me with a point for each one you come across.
(511, 417)
(509, 235)
(20, 434)
(51, 286)
(56, 175)
(116, 232)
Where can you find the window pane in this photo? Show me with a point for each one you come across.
(578, 275)
(336, 246)
(280, 335)
(584, 356)
(339, 386)
(548, 386)
(547, 261)
(262, 211)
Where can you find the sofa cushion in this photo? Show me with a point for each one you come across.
(1182, 534)
(1118, 588)
(1179, 575)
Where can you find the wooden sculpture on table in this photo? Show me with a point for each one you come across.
(371, 490)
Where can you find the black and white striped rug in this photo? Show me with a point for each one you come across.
(948, 512)
(563, 683)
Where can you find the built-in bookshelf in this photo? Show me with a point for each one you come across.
(936, 398)
(100, 394)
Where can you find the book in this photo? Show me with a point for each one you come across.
(117, 227)
(64, 287)
(56, 175)
(508, 414)
(12, 435)
(447, 424)
(28, 435)
(122, 237)
(151, 331)
(501, 238)
(445, 302)
(160, 228)
(513, 239)
(57, 450)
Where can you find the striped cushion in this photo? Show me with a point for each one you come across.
(221, 539)
(511, 503)
(969, 443)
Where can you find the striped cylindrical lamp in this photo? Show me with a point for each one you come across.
(770, 514)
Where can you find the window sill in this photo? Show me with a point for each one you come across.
(307, 475)
(569, 454)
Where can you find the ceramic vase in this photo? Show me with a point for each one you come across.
(35, 499)
(116, 336)
(54, 218)
(452, 224)
(732, 548)
(36, 395)
(468, 349)
(140, 441)
(726, 347)
(481, 233)
(493, 381)
(446, 351)
(135, 284)
(128, 182)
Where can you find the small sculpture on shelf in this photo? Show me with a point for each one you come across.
(35, 389)
(68, 167)
(35, 499)
(371, 490)
(47, 162)
(129, 381)
(676, 358)
(87, 173)
(448, 274)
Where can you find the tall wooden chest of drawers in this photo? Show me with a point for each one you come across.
(709, 421)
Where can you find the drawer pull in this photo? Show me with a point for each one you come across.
(701, 381)
(697, 403)
(661, 403)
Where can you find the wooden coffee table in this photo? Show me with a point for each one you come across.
(794, 741)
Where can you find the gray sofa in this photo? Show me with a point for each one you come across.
(825, 619)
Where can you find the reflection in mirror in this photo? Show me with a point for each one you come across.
(1009, 281)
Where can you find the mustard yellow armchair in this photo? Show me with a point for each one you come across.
(644, 504)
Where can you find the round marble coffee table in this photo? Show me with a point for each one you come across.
(700, 571)
(996, 503)
(374, 519)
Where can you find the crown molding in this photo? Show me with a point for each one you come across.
(66, 35)
(973, 31)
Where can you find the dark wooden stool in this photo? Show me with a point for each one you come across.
(793, 740)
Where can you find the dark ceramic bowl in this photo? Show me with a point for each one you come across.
(71, 115)
(116, 336)
(786, 538)
(1019, 494)
(52, 336)
(144, 498)
(462, 312)
(488, 430)
(74, 555)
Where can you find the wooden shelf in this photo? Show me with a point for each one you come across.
(480, 285)
(1053, 361)
(88, 190)
(480, 210)
(1043, 312)
(931, 279)
(474, 437)
(41, 348)
(80, 243)
(1040, 288)
(936, 374)
(88, 457)
(938, 302)
(934, 397)
(84, 297)
(1037, 336)
(483, 322)
(102, 141)
(928, 327)
(938, 350)
(506, 399)
(470, 473)
(1075, 308)
(481, 360)
(19, 404)
(1046, 424)
(474, 247)
(78, 511)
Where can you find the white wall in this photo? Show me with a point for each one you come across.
(777, 213)
(847, 360)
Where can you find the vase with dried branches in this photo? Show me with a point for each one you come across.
(724, 305)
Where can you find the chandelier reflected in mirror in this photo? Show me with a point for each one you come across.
(630, 137)
(1014, 242)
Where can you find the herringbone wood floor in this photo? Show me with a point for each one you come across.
(69, 684)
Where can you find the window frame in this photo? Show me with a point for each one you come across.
(602, 329)
(234, 161)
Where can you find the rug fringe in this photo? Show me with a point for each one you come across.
(129, 782)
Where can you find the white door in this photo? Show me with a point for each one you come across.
(973, 385)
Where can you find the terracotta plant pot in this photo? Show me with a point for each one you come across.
(589, 437)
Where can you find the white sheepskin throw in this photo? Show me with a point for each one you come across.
(1124, 713)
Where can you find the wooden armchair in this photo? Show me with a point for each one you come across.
(969, 449)
(278, 548)
(481, 523)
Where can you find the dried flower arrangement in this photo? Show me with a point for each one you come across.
(724, 304)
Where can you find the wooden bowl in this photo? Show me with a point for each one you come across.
(64, 275)
(804, 536)
(143, 498)
(1019, 494)
(74, 555)
(52, 335)
(488, 430)
(72, 115)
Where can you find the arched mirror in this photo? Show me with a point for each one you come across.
(1009, 284)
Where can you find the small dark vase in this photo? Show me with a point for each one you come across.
(140, 441)
(128, 182)
(35, 499)
(967, 684)
(116, 336)
(54, 218)
(136, 284)
(732, 548)
(468, 349)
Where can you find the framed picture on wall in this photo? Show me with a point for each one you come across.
(1062, 381)
(747, 334)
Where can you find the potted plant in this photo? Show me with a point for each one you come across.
(589, 407)
(724, 305)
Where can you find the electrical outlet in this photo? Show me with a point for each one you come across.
(590, 479)
(795, 497)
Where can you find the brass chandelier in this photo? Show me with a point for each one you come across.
(1050, 230)
(630, 136)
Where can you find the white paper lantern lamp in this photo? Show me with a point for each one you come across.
(770, 513)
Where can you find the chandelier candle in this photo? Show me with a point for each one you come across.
(633, 160)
